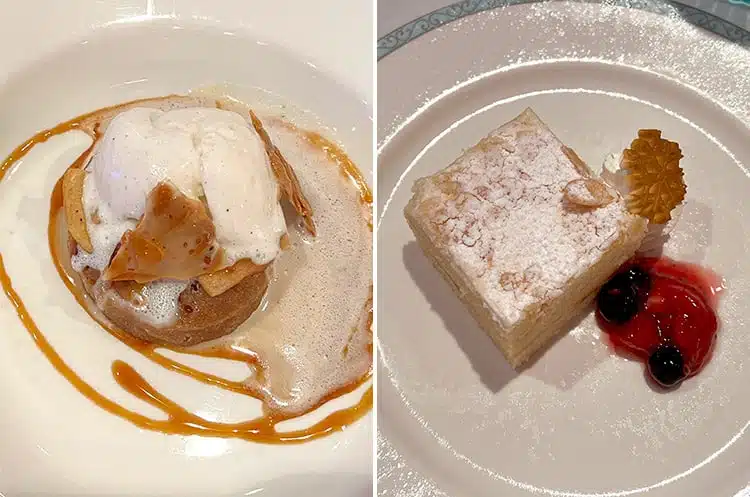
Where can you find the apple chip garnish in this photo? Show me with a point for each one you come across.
(285, 176)
(222, 280)
(654, 176)
(174, 239)
(75, 215)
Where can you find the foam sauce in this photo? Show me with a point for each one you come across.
(160, 302)
(314, 337)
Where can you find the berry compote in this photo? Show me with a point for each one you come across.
(664, 313)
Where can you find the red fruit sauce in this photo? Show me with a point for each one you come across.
(680, 308)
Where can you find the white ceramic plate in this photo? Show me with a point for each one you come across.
(454, 419)
(60, 59)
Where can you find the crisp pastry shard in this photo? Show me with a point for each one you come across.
(523, 232)
(220, 281)
(285, 176)
(75, 214)
(175, 239)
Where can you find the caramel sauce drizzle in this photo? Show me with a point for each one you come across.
(179, 421)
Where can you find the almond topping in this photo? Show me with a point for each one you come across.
(588, 192)
(578, 163)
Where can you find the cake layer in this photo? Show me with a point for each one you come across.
(500, 225)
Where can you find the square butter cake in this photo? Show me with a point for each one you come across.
(523, 232)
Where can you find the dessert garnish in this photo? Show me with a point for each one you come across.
(588, 192)
(654, 176)
(285, 176)
(74, 210)
(174, 239)
(662, 312)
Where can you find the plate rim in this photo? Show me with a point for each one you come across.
(411, 30)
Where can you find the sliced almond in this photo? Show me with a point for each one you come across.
(285, 176)
(588, 192)
(75, 215)
(220, 281)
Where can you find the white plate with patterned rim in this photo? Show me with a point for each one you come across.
(61, 59)
(453, 418)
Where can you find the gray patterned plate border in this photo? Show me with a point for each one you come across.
(416, 28)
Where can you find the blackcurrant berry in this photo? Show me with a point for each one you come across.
(666, 365)
(639, 279)
(617, 300)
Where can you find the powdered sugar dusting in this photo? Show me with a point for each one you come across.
(388, 457)
(609, 32)
(508, 223)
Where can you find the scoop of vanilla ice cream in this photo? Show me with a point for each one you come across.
(140, 148)
(203, 152)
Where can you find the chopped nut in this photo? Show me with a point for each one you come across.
(573, 157)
